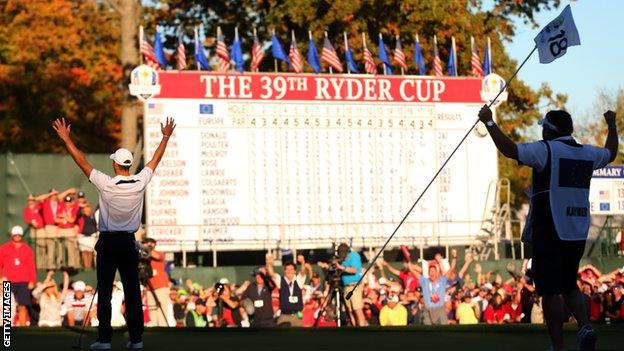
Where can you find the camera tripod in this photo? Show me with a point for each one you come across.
(335, 295)
(150, 289)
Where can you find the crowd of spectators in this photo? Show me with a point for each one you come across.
(63, 229)
(426, 292)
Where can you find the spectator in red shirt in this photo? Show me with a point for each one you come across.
(17, 265)
(50, 207)
(33, 217)
(514, 309)
(66, 219)
(495, 311)
(158, 284)
(408, 274)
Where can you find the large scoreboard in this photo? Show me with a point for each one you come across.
(262, 160)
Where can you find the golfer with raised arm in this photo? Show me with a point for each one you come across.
(559, 214)
(121, 206)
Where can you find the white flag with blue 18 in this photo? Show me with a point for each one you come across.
(554, 40)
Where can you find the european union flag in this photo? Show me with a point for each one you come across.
(200, 55)
(278, 50)
(158, 51)
(205, 109)
(237, 54)
(313, 57)
(419, 59)
(350, 62)
(383, 56)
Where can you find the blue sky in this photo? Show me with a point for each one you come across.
(584, 70)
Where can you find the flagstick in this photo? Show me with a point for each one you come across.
(346, 48)
(274, 59)
(372, 262)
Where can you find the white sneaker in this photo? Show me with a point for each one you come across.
(134, 345)
(100, 346)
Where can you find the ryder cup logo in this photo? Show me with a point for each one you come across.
(490, 87)
(144, 82)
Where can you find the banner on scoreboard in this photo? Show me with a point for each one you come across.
(606, 192)
(263, 160)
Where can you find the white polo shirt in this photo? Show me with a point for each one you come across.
(121, 200)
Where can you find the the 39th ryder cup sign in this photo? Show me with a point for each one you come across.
(309, 159)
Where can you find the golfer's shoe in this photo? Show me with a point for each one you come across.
(100, 346)
(134, 345)
(587, 338)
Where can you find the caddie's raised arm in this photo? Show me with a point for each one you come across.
(612, 142)
(505, 145)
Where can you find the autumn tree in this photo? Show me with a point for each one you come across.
(58, 58)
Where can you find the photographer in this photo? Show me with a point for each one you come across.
(290, 297)
(351, 267)
(259, 293)
(158, 284)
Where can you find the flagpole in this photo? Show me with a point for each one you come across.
(397, 40)
(140, 43)
(274, 59)
(372, 262)
(455, 63)
(346, 49)
(383, 64)
(255, 37)
(490, 53)
(293, 42)
(196, 47)
(331, 71)
(435, 49)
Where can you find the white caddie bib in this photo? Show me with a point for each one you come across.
(570, 176)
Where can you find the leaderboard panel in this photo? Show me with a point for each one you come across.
(304, 169)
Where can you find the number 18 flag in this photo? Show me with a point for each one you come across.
(554, 39)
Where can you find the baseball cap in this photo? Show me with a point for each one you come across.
(200, 302)
(68, 198)
(81, 194)
(17, 230)
(559, 121)
(122, 157)
(79, 285)
(224, 281)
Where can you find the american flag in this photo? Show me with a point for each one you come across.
(369, 62)
(295, 58)
(222, 52)
(329, 56)
(475, 63)
(181, 55)
(604, 195)
(437, 63)
(148, 53)
(257, 54)
(399, 56)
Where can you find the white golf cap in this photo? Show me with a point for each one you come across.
(79, 286)
(122, 157)
(17, 230)
(224, 281)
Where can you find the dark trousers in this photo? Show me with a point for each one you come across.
(118, 250)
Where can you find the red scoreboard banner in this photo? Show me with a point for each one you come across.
(318, 87)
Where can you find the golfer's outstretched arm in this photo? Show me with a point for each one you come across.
(62, 129)
(612, 142)
(166, 130)
(505, 145)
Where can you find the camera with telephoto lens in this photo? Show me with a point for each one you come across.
(145, 268)
(333, 272)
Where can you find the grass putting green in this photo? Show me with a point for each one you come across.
(434, 338)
